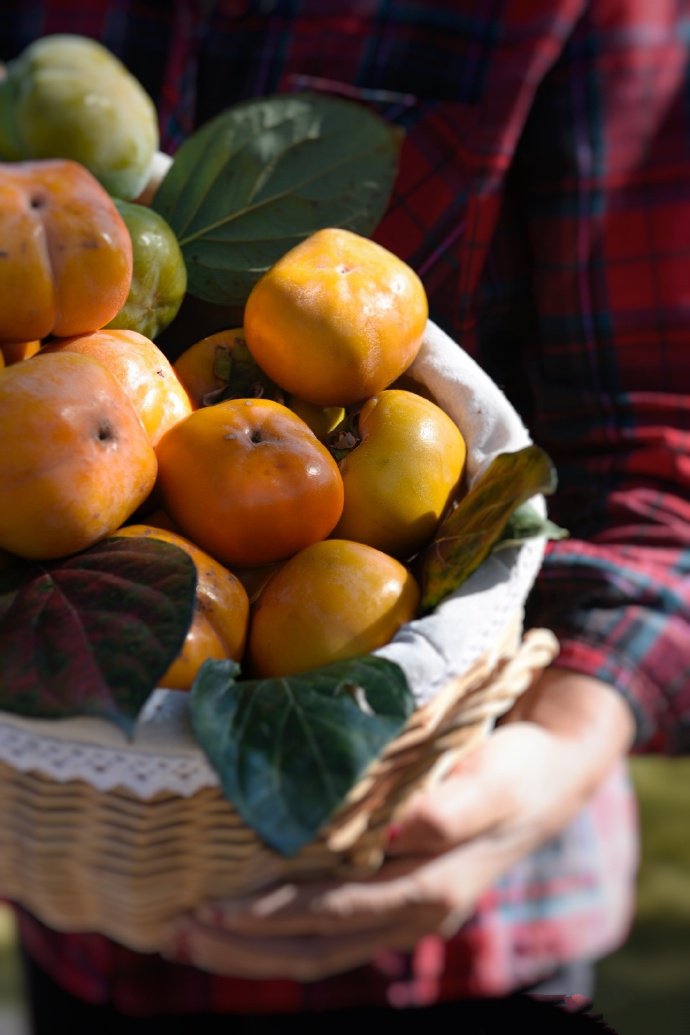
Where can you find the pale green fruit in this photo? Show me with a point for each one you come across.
(68, 96)
(159, 276)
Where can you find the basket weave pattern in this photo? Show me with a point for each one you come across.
(84, 859)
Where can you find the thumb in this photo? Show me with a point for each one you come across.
(479, 793)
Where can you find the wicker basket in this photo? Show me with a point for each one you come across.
(84, 859)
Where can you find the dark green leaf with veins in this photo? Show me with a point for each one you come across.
(287, 751)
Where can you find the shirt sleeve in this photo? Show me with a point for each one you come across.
(581, 313)
(621, 614)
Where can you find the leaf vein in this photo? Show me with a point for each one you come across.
(231, 217)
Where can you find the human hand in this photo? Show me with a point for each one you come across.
(510, 794)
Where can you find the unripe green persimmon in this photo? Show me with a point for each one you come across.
(159, 276)
(68, 96)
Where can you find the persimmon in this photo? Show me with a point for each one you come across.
(204, 367)
(403, 473)
(336, 319)
(331, 601)
(76, 460)
(209, 367)
(254, 579)
(68, 96)
(321, 419)
(16, 351)
(157, 518)
(159, 273)
(141, 368)
(67, 254)
(248, 481)
(221, 612)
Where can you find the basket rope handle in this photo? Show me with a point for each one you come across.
(538, 649)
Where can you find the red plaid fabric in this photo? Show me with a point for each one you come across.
(544, 197)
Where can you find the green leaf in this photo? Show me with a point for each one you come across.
(260, 177)
(92, 634)
(468, 534)
(525, 523)
(288, 751)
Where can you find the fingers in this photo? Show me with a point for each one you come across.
(487, 789)
(537, 769)
(387, 899)
(517, 788)
(312, 931)
(262, 948)
(306, 958)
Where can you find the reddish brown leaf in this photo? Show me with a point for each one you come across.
(92, 634)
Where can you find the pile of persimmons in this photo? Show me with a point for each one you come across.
(302, 508)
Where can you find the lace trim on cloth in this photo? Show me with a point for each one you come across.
(163, 755)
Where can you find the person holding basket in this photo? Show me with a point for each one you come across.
(544, 200)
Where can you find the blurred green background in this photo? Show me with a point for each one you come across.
(641, 989)
(645, 986)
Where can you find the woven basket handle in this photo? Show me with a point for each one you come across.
(513, 676)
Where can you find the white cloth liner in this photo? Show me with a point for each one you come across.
(163, 754)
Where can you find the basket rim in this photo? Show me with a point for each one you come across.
(164, 753)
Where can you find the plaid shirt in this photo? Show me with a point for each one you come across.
(544, 197)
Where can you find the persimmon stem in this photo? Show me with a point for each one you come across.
(345, 436)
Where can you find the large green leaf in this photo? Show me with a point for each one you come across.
(263, 175)
(93, 633)
(470, 532)
(287, 751)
